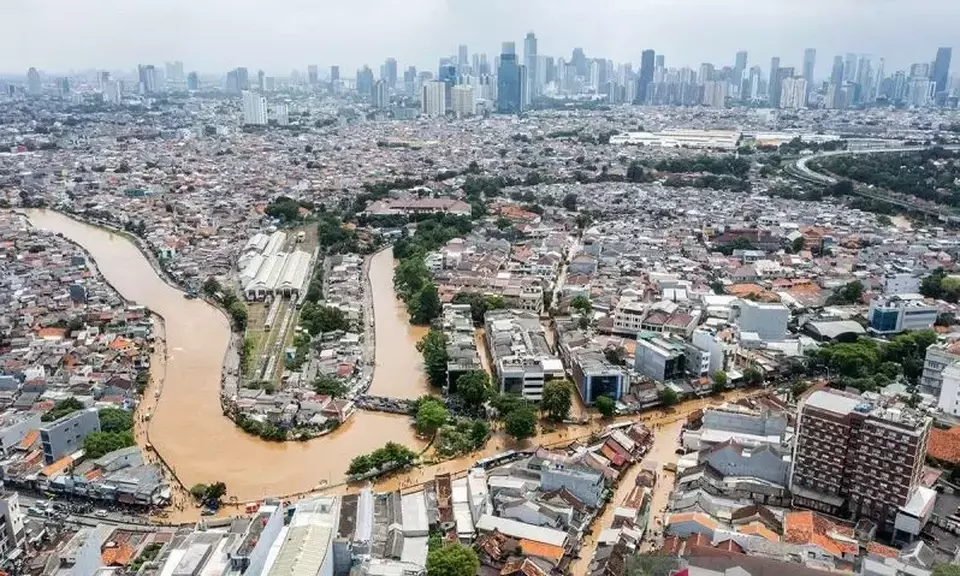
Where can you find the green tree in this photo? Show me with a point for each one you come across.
(752, 376)
(99, 443)
(431, 416)
(946, 570)
(849, 293)
(720, 380)
(557, 400)
(474, 388)
(455, 559)
(211, 286)
(797, 245)
(615, 355)
(427, 305)
(238, 313)
(115, 420)
(582, 304)
(606, 406)
(668, 397)
(479, 432)
(215, 493)
(521, 423)
(328, 386)
(433, 347)
(198, 491)
(570, 202)
(61, 408)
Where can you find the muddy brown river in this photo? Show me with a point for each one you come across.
(188, 429)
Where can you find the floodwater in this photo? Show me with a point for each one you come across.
(188, 428)
(399, 367)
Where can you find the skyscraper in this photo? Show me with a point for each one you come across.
(261, 82)
(739, 67)
(365, 81)
(174, 72)
(836, 75)
(334, 74)
(850, 67)
(254, 109)
(380, 95)
(941, 68)
(659, 62)
(447, 73)
(313, 75)
(530, 62)
(579, 61)
(148, 78)
(193, 81)
(647, 65)
(243, 78)
(809, 63)
(463, 100)
(463, 62)
(509, 92)
(33, 81)
(432, 99)
(793, 93)
(773, 83)
(390, 69)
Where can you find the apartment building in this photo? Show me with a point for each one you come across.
(858, 458)
(768, 321)
(939, 356)
(66, 435)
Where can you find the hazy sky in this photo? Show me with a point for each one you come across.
(280, 35)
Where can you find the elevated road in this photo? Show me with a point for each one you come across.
(800, 170)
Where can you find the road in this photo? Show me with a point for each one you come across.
(800, 170)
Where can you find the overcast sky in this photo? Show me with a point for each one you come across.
(281, 35)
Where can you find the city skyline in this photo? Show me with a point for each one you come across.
(428, 30)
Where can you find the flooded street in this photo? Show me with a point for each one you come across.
(399, 367)
(188, 429)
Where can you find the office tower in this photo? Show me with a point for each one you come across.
(836, 75)
(175, 72)
(509, 89)
(365, 81)
(706, 73)
(659, 62)
(739, 67)
(447, 73)
(148, 78)
(271, 84)
(380, 97)
(463, 60)
(809, 63)
(877, 81)
(433, 99)
(33, 81)
(63, 86)
(313, 74)
(579, 61)
(243, 78)
(530, 63)
(941, 69)
(334, 73)
(254, 109)
(715, 93)
(898, 86)
(261, 82)
(111, 92)
(390, 67)
(856, 457)
(921, 92)
(647, 64)
(463, 100)
(921, 70)
(193, 81)
(850, 67)
(233, 84)
(102, 78)
(484, 65)
(793, 93)
(772, 83)
(524, 83)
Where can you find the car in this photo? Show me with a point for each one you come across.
(207, 512)
(100, 513)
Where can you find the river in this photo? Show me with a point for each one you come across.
(188, 428)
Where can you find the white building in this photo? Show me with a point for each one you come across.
(712, 139)
(895, 314)
(463, 100)
(307, 543)
(794, 93)
(283, 114)
(432, 99)
(768, 321)
(111, 92)
(12, 517)
(939, 356)
(254, 109)
(950, 389)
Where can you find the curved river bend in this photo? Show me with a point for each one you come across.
(188, 428)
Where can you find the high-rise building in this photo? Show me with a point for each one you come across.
(63, 86)
(334, 74)
(809, 64)
(33, 81)
(175, 73)
(433, 99)
(532, 90)
(739, 67)
(941, 69)
(850, 67)
(706, 73)
(715, 93)
(232, 85)
(193, 81)
(148, 79)
(793, 93)
(261, 82)
(380, 97)
(579, 61)
(509, 88)
(243, 77)
(647, 66)
(282, 112)
(659, 62)
(463, 60)
(313, 74)
(111, 92)
(390, 69)
(836, 75)
(756, 90)
(463, 100)
(856, 457)
(365, 81)
(773, 92)
(254, 109)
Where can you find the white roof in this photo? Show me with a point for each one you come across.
(514, 529)
(413, 511)
(836, 403)
(919, 503)
(414, 550)
(304, 551)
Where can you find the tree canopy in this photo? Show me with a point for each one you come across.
(557, 400)
(606, 406)
(433, 347)
(474, 388)
(431, 415)
(455, 559)
(521, 422)
(115, 420)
